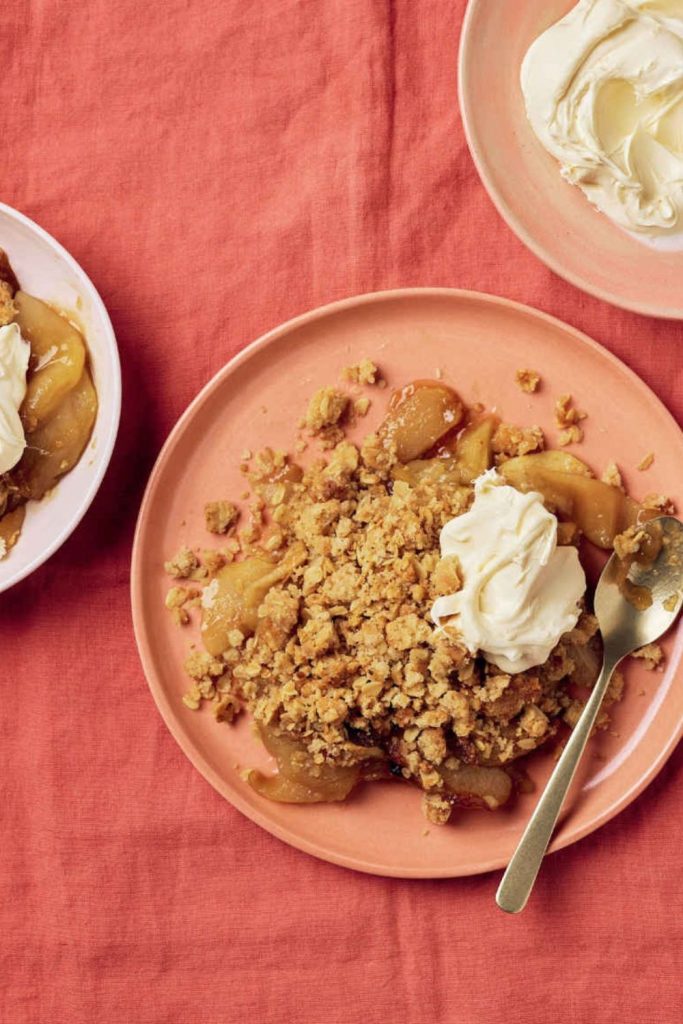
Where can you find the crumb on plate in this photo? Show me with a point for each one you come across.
(220, 516)
(528, 380)
(364, 372)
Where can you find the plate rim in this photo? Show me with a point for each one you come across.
(516, 225)
(163, 705)
(108, 443)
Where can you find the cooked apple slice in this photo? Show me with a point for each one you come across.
(428, 471)
(57, 359)
(473, 449)
(10, 529)
(477, 786)
(239, 592)
(301, 781)
(283, 790)
(599, 510)
(419, 416)
(558, 461)
(334, 782)
(57, 445)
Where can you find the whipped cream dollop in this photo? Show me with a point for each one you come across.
(603, 89)
(520, 591)
(14, 356)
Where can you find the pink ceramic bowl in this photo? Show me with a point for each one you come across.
(553, 218)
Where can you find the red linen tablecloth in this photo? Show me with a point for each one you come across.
(218, 166)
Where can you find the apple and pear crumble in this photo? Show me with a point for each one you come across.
(48, 402)
(363, 646)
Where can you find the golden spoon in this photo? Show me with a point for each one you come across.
(631, 612)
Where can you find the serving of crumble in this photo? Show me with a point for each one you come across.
(48, 402)
(316, 613)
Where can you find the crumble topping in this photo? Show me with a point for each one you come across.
(612, 476)
(182, 565)
(341, 659)
(652, 656)
(8, 310)
(510, 441)
(325, 409)
(364, 372)
(568, 417)
(177, 600)
(629, 542)
(344, 652)
(528, 380)
(572, 435)
(220, 516)
(659, 503)
(646, 462)
(566, 413)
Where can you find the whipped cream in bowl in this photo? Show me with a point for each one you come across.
(520, 592)
(14, 358)
(603, 90)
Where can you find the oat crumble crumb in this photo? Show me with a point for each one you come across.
(325, 409)
(364, 372)
(510, 441)
(8, 310)
(220, 516)
(652, 656)
(629, 542)
(436, 808)
(528, 380)
(214, 560)
(612, 476)
(182, 565)
(646, 462)
(566, 414)
(572, 435)
(659, 503)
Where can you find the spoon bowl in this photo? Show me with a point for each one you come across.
(637, 599)
(636, 610)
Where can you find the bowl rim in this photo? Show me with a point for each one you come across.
(468, 115)
(106, 443)
(137, 566)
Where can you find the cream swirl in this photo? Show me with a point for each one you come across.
(520, 591)
(603, 89)
(14, 356)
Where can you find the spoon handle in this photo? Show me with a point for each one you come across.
(519, 878)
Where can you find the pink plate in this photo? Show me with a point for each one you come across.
(478, 341)
(552, 217)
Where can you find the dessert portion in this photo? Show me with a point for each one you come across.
(412, 607)
(48, 402)
(603, 89)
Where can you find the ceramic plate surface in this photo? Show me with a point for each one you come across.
(45, 269)
(549, 215)
(478, 341)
